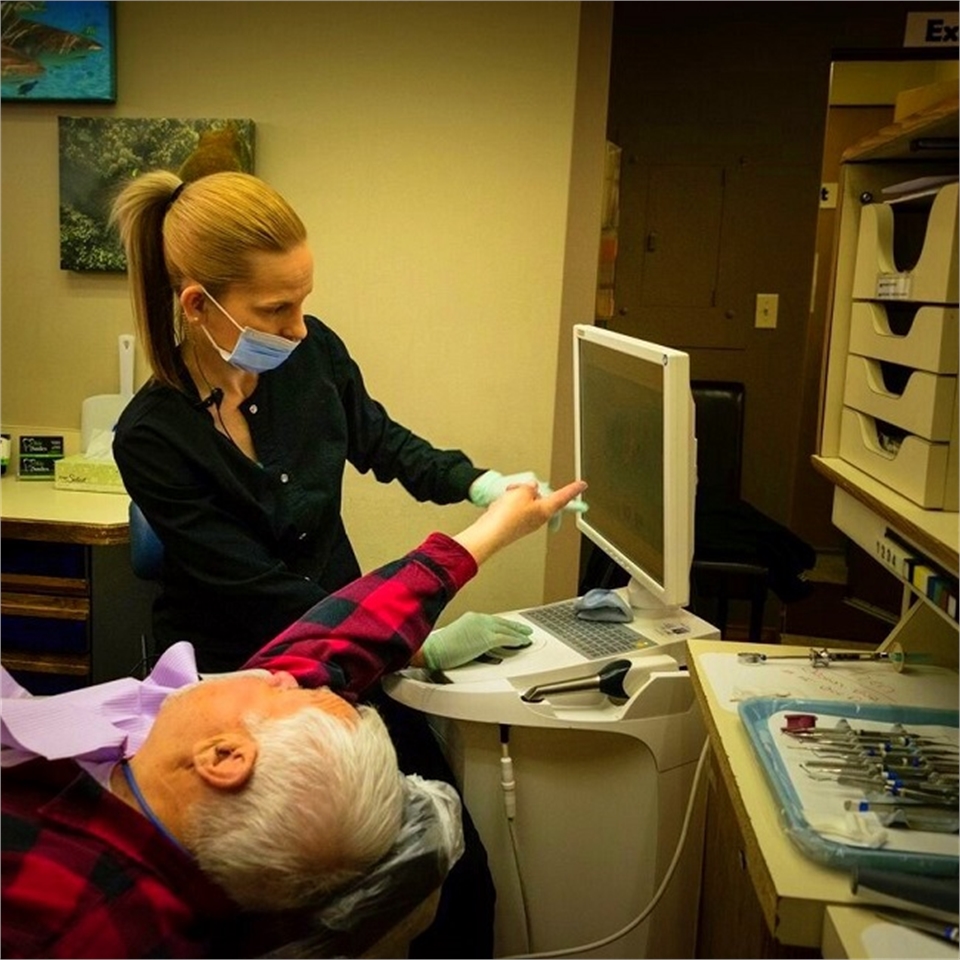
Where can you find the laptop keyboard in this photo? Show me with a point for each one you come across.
(591, 638)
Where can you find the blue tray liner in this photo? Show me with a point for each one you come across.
(755, 714)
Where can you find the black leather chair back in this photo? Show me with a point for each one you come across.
(720, 409)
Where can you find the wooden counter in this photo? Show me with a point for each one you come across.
(72, 610)
(853, 932)
(792, 890)
(35, 510)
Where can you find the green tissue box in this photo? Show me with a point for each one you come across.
(79, 473)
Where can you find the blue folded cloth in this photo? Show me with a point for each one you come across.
(599, 604)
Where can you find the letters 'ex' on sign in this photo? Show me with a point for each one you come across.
(939, 29)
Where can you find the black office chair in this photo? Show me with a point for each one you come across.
(146, 550)
(725, 567)
(740, 553)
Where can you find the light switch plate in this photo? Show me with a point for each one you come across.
(766, 315)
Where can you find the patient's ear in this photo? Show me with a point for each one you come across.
(225, 762)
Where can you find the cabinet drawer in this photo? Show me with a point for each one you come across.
(923, 472)
(40, 558)
(31, 635)
(924, 337)
(47, 681)
(908, 252)
(38, 623)
(917, 401)
(34, 583)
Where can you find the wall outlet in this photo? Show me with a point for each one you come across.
(766, 315)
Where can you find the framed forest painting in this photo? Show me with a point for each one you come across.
(99, 154)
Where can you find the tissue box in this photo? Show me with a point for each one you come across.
(82, 473)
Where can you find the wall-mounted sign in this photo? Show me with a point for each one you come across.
(937, 29)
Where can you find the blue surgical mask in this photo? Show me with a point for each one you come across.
(255, 351)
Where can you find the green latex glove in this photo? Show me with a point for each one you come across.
(491, 485)
(469, 636)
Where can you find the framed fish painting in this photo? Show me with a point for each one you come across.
(58, 52)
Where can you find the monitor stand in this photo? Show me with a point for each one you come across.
(646, 605)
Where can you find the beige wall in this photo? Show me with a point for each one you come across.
(429, 147)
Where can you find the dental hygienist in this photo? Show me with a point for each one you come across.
(235, 449)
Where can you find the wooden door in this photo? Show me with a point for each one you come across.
(669, 278)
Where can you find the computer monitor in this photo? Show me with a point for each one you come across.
(636, 448)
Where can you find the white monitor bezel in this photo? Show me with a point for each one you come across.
(679, 463)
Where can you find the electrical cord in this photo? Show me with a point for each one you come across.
(215, 397)
(655, 899)
(508, 785)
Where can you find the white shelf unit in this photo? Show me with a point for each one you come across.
(888, 408)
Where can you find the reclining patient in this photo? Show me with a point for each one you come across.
(147, 829)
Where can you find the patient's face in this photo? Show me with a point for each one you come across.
(220, 703)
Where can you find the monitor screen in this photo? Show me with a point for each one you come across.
(635, 447)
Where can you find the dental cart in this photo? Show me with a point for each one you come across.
(600, 787)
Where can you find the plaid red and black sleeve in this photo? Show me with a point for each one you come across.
(374, 625)
(84, 875)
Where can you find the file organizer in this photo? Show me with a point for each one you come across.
(931, 276)
(922, 337)
(919, 470)
(923, 405)
(899, 421)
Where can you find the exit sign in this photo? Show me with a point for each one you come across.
(937, 29)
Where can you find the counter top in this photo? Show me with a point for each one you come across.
(934, 531)
(857, 932)
(792, 889)
(36, 510)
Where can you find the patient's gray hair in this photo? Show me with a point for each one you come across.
(324, 803)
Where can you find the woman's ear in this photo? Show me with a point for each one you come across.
(225, 762)
(193, 301)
